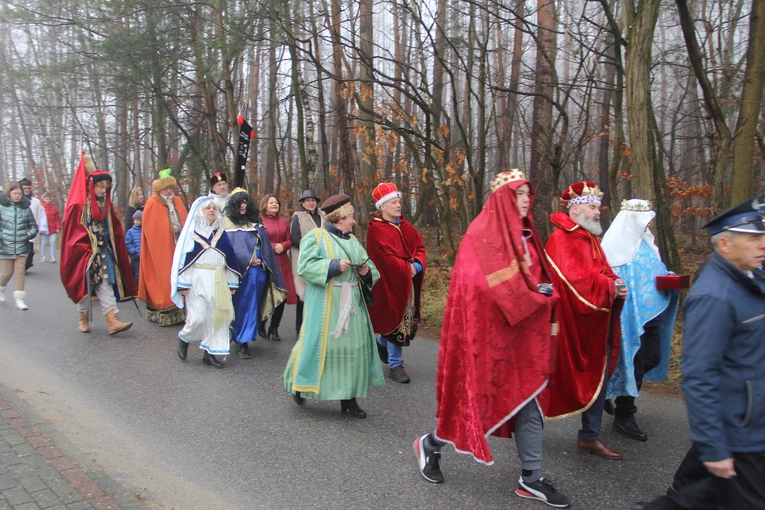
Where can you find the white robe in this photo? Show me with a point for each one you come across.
(200, 301)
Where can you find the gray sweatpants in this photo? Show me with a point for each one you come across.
(528, 435)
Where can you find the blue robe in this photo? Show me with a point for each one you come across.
(262, 287)
(643, 303)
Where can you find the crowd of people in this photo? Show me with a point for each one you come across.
(531, 331)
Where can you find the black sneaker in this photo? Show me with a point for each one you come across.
(543, 491)
(427, 461)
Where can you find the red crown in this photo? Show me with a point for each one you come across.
(384, 192)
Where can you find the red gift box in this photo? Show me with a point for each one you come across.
(673, 282)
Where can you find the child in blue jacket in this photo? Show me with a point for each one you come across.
(133, 242)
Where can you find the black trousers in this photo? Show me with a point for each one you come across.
(276, 317)
(31, 255)
(647, 358)
(298, 316)
(698, 489)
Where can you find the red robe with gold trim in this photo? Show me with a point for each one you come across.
(393, 248)
(496, 348)
(588, 311)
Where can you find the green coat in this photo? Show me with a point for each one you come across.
(17, 227)
(328, 363)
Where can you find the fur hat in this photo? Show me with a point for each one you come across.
(337, 207)
(217, 177)
(165, 180)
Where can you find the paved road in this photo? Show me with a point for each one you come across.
(183, 435)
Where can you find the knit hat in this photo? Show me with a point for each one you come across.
(137, 215)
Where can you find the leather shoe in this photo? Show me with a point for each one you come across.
(244, 351)
(183, 349)
(209, 359)
(399, 375)
(628, 428)
(298, 399)
(601, 450)
(273, 334)
(353, 407)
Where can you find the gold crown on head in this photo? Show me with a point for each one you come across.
(502, 178)
(637, 205)
(239, 190)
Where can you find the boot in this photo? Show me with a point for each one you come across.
(2, 294)
(353, 407)
(19, 296)
(297, 398)
(84, 327)
(262, 330)
(115, 325)
(209, 359)
(273, 334)
(244, 351)
(182, 349)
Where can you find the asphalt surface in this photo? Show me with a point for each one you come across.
(183, 435)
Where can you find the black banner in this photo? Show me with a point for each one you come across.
(245, 134)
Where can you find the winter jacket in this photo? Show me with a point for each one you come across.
(724, 360)
(133, 242)
(54, 219)
(17, 227)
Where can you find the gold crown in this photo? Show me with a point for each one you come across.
(637, 205)
(502, 178)
(239, 190)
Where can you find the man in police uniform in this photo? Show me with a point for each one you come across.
(723, 371)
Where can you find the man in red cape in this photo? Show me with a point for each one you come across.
(590, 333)
(497, 342)
(397, 251)
(94, 257)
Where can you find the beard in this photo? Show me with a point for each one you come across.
(591, 225)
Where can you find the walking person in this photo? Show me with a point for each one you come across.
(497, 342)
(136, 202)
(397, 250)
(39, 214)
(205, 272)
(94, 258)
(648, 317)
(261, 288)
(278, 231)
(17, 228)
(308, 217)
(163, 218)
(133, 242)
(723, 369)
(335, 355)
(48, 239)
(591, 300)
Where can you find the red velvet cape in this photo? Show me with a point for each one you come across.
(278, 231)
(588, 309)
(77, 245)
(496, 346)
(393, 248)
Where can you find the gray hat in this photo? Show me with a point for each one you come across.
(137, 215)
(309, 193)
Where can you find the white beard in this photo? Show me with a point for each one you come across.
(591, 225)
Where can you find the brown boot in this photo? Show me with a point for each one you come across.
(114, 323)
(83, 326)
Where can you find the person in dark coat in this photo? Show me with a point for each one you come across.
(723, 370)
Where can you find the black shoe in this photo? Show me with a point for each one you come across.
(244, 351)
(608, 407)
(428, 460)
(262, 330)
(382, 351)
(399, 375)
(628, 428)
(273, 334)
(353, 407)
(543, 491)
(183, 349)
(209, 359)
(298, 399)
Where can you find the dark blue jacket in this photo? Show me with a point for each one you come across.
(133, 242)
(724, 361)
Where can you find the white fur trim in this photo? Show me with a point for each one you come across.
(389, 196)
(587, 199)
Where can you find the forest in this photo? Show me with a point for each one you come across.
(653, 99)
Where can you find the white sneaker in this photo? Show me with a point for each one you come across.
(19, 296)
(52, 259)
(42, 259)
